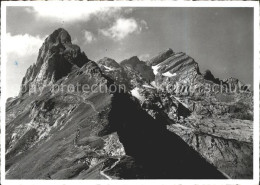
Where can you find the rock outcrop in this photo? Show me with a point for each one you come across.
(56, 58)
(135, 64)
(174, 69)
(160, 57)
(221, 112)
(179, 75)
(209, 76)
(115, 71)
(227, 143)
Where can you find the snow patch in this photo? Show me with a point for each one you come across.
(153, 83)
(169, 74)
(135, 93)
(155, 69)
(148, 86)
(109, 68)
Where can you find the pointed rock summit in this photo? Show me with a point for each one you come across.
(57, 56)
(160, 57)
(133, 61)
(109, 63)
(141, 67)
(209, 76)
(171, 67)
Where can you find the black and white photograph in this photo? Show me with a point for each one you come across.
(119, 91)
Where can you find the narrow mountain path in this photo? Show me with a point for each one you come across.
(91, 104)
(102, 172)
(85, 100)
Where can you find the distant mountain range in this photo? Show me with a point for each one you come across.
(158, 119)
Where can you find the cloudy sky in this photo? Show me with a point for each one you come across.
(219, 39)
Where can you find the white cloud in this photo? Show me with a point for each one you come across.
(22, 45)
(144, 57)
(75, 41)
(21, 52)
(122, 28)
(128, 10)
(70, 12)
(144, 24)
(89, 37)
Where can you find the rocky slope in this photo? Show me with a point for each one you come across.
(139, 66)
(219, 125)
(77, 119)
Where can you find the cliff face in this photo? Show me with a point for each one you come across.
(139, 66)
(115, 71)
(160, 57)
(110, 120)
(221, 111)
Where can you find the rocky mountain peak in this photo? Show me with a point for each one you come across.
(131, 61)
(57, 57)
(209, 76)
(60, 35)
(108, 62)
(160, 57)
(134, 63)
(231, 80)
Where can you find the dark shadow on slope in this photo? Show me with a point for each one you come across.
(161, 153)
